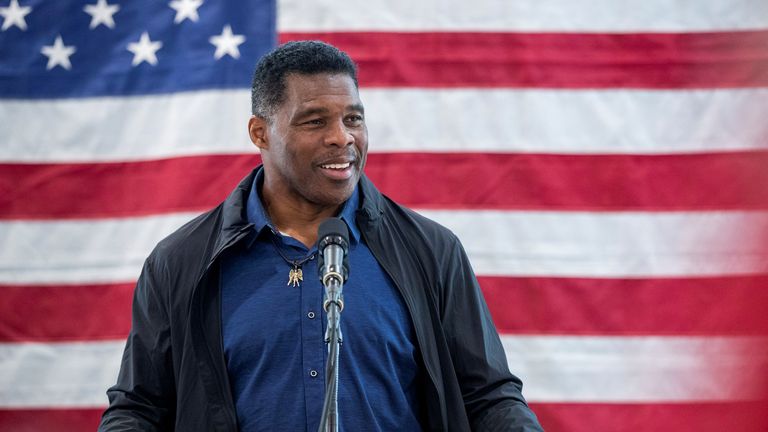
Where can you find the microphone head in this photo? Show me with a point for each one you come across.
(333, 231)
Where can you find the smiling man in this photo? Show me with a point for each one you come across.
(313, 145)
(228, 335)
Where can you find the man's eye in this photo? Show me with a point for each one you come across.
(314, 122)
(355, 119)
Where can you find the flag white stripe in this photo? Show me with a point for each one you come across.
(88, 251)
(524, 15)
(587, 121)
(511, 243)
(424, 120)
(651, 369)
(616, 244)
(75, 374)
(553, 368)
(133, 128)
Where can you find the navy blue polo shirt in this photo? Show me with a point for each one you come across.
(273, 336)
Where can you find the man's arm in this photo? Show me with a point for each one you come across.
(492, 395)
(144, 396)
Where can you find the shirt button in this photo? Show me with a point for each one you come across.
(311, 315)
(313, 373)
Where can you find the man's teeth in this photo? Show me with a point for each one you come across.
(336, 166)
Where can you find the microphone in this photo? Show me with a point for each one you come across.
(333, 247)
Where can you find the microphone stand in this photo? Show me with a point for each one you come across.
(333, 306)
(333, 270)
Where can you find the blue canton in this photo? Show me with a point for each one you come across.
(273, 336)
(85, 48)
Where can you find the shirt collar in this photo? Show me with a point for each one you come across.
(347, 214)
(257, 215)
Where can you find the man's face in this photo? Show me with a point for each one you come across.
(315, 146)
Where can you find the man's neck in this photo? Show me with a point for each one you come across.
(296, 218)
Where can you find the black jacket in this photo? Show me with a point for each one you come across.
(173, 374)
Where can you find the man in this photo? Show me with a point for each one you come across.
(228, 325)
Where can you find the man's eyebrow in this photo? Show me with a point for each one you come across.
(320, 110)
(311, 111)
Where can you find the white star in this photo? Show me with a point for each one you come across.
(14, 15)
(101, 13)
(58, 54)
(227, 43)
(185, 9)
(144, 50)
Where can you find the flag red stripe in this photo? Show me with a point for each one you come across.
(574, 182)
(571, 417)
(535, 305)
(555, 60)
(65, 312)
(711, 181)
(673, 306)
(114, 189)
(50, 419)
(699, 417)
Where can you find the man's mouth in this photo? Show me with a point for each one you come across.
(338, 170)
(336, 166)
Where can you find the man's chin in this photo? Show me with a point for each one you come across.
(336, 197)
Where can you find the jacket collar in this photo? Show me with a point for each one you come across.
(372, 206)
(233, 214)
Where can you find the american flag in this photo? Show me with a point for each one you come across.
(605, 164)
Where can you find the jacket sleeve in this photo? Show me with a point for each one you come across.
(492, 395)
(143, 397)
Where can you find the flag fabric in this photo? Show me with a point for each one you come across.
(605, 165)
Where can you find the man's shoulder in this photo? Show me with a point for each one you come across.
(413, 225)
(419, 225)
(190, 238)
(191, 245)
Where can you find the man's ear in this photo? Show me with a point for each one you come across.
(257, 130)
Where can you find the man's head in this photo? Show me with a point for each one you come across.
(308, 123)
(300, 57)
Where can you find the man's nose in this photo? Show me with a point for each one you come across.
(339, 134)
